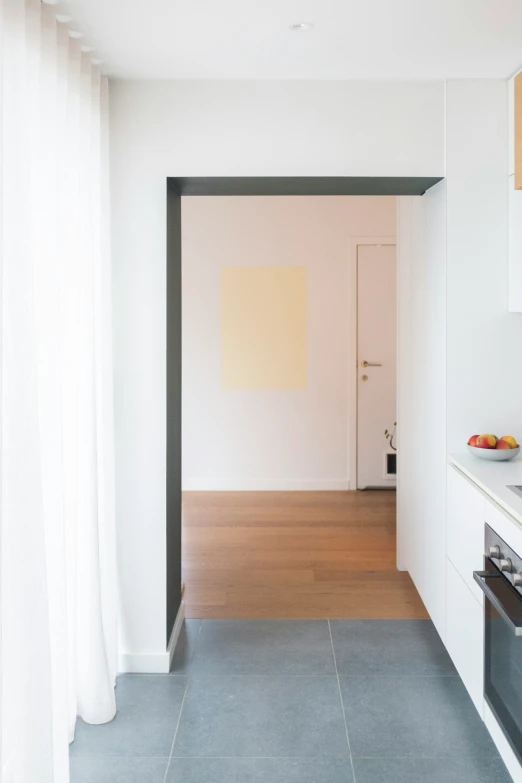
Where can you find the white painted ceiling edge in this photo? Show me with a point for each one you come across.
(349, 39)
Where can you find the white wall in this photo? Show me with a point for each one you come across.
(279, 128)
(216, 128)
(421, 408)
(272, 439)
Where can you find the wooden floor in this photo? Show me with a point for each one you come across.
(292, 555)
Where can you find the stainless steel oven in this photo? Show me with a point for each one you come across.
(501, 582)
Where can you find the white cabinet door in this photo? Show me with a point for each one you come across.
(503, 525)
(465, 635)
(515, 247)
(465, 528)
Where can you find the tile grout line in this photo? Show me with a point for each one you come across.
(318, 676)
(342, 703)
(175, 733)
(295, 758)
(371, 675)
(195, 649)
(182, 705)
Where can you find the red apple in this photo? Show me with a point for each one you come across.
(473, 440)
(486, 442)
(510, 440)
(502, 444)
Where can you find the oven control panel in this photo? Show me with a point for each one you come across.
(504, 558)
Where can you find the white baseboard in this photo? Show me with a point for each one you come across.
(153, 663)
(264, 485)
(144, 663)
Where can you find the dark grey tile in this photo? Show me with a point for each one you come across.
(260, 771)
(148, 710)
(118, 770)
(185, 647)
(264, 647)
(474, 770)
(413, 716)
(261, 716)
(389, 647)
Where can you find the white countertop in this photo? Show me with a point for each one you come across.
(493, 479)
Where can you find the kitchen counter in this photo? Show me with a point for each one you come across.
(492, 478)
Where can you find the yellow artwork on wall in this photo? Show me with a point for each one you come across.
(263, 327)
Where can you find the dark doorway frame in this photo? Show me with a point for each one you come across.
(231, 186)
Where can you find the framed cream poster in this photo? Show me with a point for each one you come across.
(263, 327)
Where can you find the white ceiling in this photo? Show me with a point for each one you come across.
(352, 39)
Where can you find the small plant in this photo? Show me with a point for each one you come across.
(390, 435)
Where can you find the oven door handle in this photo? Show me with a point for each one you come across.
(482, 578)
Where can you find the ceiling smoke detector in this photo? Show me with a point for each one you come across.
(301, 27)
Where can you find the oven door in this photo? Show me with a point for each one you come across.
(503, 651)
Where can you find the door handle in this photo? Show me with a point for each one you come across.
(369, 364)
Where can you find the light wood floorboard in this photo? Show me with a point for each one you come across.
(294, 555)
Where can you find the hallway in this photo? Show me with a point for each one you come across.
(294, 555)
(294, 702)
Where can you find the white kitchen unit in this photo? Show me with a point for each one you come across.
(465, 528)
(511, 126)
(465, 635)
(478, 500)
(515, 247)
(515, 211)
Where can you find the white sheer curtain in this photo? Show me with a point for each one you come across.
(57, 548)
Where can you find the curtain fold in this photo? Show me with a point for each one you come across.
(58, 644)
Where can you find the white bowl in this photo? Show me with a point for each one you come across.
(494, 455)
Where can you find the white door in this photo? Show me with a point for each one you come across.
(377, 349)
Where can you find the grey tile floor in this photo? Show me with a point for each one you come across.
(294, 701)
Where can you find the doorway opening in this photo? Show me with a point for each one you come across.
(376, 377)
(335, 555)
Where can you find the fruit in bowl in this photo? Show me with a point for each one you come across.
(485, 442)
(510, 440)
(490, 447)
